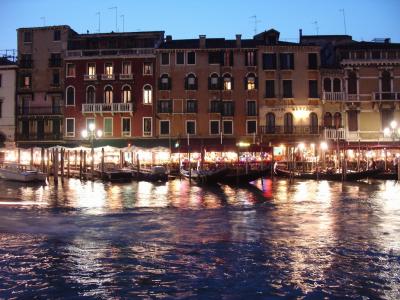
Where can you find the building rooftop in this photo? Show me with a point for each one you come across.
(4, 61)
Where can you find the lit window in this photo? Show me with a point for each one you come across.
(251, 82)
(108, 127)
(147, 68)
(147, 94)
(227, 82)
(108, 94)
(70, 70)
(126, 68)
(147, 126)
(126, 94)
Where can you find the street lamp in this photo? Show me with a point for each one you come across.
(92, 134)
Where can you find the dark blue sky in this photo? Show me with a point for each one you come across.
(365, 19)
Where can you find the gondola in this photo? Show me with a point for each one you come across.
(386, 176)
(153, 174)
(205, 176)
(234, 177)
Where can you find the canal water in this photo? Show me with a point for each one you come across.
(306, 240)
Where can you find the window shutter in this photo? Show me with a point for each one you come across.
(245, 83)
(231, 58)
(196, 83)
(160, 87)
(169, 83)
(221, 58)
(246, 59)
(291, 61)
(264, 56)
(209, 83)
(186, 83)
(256, 82)
(220, 82)
(282, 60)
(255, 58)
(232, 83)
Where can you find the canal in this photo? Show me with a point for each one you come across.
(273, 239)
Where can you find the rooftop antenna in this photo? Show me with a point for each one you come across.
(98, 14)
(44, 20)
(255, 23)
(123, 22)
(116, 17)
(344, 20)
(316, 27)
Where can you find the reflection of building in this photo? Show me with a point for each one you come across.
(40, 84)
(7, 100)
(110, 81)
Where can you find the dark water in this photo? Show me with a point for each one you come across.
(308, 240)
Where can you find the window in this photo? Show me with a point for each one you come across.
(191, 127)
(55, 60)
(215, 106)
(312, 61)
(164, 82)
(56, 78)
(337, 85)
(386, 117)
(251, 126)
(328, 119)
(287, 89)
(269, 61)
(214, 58)
(191, 106)
(88, 122)
(228, 82)
(126, 68)
(164, 127)
(70, 96)
(250, 58)
(191, 82)
(26, 81)
(126, 94)
(214, 127)
(386, 81)
(147, 94)
(108, 94)
(227, 127)
(25, 61)
(313, 88)
(250, 82)
(269, 88)
(287, 61)
(57, 35)
(288, 123)
(180, 58)
(147, 125)
(251, 108)
(191, 58)
(109, 70)
(313, 123)
(28, 37)
(91, 71)
(227, 108)
(337, 118)
(126, 126)
(147, 68)
(360, 55)
(165, 59)
(228, 58)
(70, 70)
(352, 120)
(327, 85)
(108, 127)
(164, 106)
(90, 95)
(376, 54)
(352, 83)
(70, 127)
(213, 82)
(270, 121)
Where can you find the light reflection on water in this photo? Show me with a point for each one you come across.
(102, 240)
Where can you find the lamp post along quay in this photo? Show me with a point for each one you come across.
(394, 133)
(91, 135)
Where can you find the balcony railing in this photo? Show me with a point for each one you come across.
(90, 77)
(293, 130)
(386, 96)
(369, 61)
(107, 76)
(39, 110)
(111, 52)
(334, 96)
(107, 108)
(334, 134)
(125, 76)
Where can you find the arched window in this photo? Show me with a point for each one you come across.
(337, 119)
(313, 123)
(228, 82)
(90, 94)
(70, 96)
(126, 94)
(191, 82)
(147, 94)
(165, 82)
(288, 123)
(328, 119)
(213, 82)
(270, 123)
(337, 86)
(352, 83)
(108, 94)
(250, 82)
(327, 85)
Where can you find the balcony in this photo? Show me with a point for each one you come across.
(334, 134)
(39, 110)
(139, 52)
(107, 108)
(291, 130)
(386, 96)
(125, 76)
(370, 62)
(107, 76)
(334, 96)
(88, 77)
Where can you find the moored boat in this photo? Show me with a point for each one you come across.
(205, 176)
(21, 173)
(235, 177)
(112, 172)
(155, 173)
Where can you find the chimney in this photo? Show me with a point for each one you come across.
(168, 38)
(300, 35)
(387, 40)
(202, 41)
(238, 40)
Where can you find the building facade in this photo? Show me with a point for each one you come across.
(110, 81)
(8, 77)
(40, 84)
